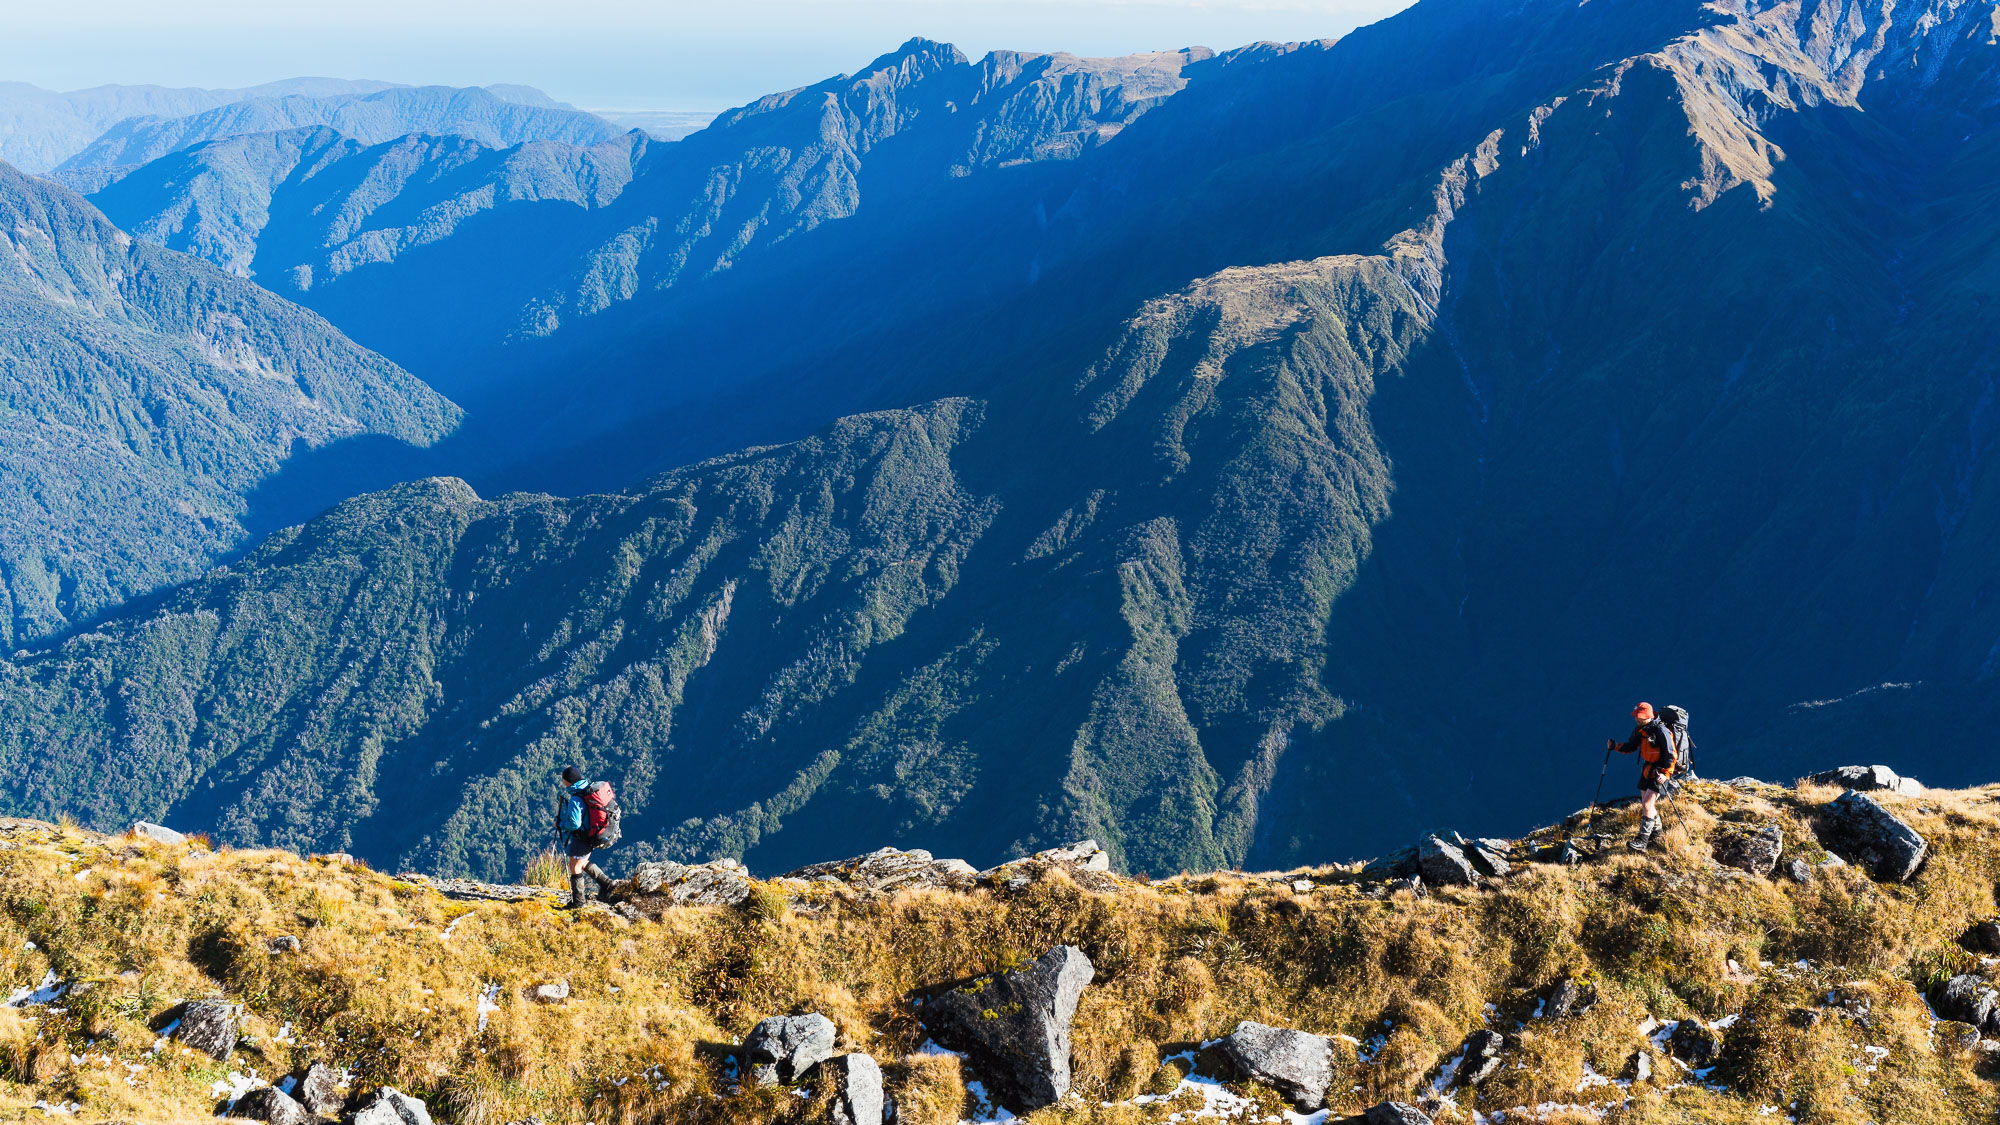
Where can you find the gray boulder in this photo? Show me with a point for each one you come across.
(390, 1106)
(1800, 872)
(1869, 779)
(781, 1049)
(158, 833)
(1968, 998)
(859, 1098)
(1984, 937)
(1297, 1064)
(210, 1026)
(268, 1103)
(1442, 864)
(1860, 830)
(1395, 1113)
(1756, 852)
(888, 870)
(1014, 1027)
(320, 1090)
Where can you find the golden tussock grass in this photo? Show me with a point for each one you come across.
(389, 976)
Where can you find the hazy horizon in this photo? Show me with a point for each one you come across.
(613, 55)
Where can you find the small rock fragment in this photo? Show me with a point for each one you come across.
(781, 1049)
(1800, 872)
(283, 943)
(549, 992)
(1640, 1069)
(1395, 1113)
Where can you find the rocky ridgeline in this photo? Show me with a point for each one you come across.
(1011, 1029)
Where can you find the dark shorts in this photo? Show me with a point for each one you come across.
(1657, 786)
(581, 844)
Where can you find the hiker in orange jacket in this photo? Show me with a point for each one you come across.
(1657, 762)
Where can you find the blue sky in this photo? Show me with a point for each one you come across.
(613, 54)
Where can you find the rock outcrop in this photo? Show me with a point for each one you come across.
(887, 870)
(1395, 1113)
(1857, 828)
(1868, 779)
(1014, 1027)
(1755, 851)
(1443, 864)
(779, 1050)
(1984, 937)
(1297, 1064)
(858, 1098)
(157, 833)
(722, 882)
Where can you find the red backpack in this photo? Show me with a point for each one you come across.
(600, 813)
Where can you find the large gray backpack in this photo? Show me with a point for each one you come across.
(1675, 719)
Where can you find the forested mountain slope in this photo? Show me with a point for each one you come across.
(1540, 358)
(143, 396)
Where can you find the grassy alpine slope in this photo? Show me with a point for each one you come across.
(388, 978)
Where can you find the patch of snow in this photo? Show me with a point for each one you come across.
(46, 992)
(489, 1003)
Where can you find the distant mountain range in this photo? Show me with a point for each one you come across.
(1237, 458)
(40, 129)
(146, 395)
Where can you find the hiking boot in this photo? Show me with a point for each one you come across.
(1648, 829)
(602, 880)
(579, 892)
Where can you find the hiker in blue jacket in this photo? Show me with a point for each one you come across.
(582, 832)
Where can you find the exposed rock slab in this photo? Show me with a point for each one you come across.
(158, 833)
(1395, 1113)
(1297, 1064)
(722, 882)
(1014, 1027)
(1443, 864)
(1969, 998)
(1856, 827)
(779, 1050)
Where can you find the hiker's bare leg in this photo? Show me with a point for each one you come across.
(1648, 804)
(578, 862)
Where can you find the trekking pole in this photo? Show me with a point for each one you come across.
(1569, 844)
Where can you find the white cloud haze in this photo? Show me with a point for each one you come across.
(602, 53)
